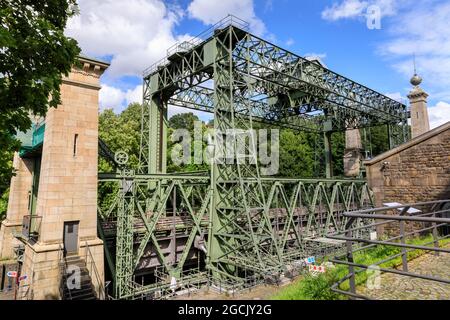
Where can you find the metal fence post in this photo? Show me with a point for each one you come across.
(351, 268)
(404, 251)
(435, 235)
(403, 240)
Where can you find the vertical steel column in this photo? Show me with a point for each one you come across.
(124, 239)
(222, 205)
(153, 149)
(390, 136)
(328, 155)
(240, 223)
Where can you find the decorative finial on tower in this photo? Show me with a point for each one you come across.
(416, 79)
(418, 106)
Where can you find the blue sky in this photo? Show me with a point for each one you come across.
(134, 34)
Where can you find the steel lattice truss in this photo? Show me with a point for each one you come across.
(248, 223)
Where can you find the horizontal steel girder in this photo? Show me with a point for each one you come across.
(290, 86)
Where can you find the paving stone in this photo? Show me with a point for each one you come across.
(398, 287)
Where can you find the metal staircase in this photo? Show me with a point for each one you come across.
(84, 289)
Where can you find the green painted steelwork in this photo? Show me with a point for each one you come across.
(32, 139)
(249, 224)
(35, 185)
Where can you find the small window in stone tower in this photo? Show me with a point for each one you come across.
(75, 140)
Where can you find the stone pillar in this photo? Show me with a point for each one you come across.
(18, 205)
(418, 106)
(68, 181)
(352, 153)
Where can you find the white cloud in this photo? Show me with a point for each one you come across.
(321, 55)
(136, 33)
(173, 110)
(423, 30)
(357, 8)
(414, 27)
(397, 96)
(210, 12)
(111, 97)
(439, 114)
(134, 95)
(316, 56)
(346, 9)
(290, 42)
(117, 99)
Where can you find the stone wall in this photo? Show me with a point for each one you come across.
(67, 186)
(18, 203)
(68, 180)
(416, 171)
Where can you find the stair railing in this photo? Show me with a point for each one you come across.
(93, 272)
(63, 273)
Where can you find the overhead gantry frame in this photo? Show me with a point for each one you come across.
(243, 79)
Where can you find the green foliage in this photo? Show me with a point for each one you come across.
(34, 55)
(121, 132)
(319, 288)
(3, 204)
(311, 288)
(296, 154)
(6, 161)
(298, 157)
(184, 121)
(337, 152)
(379, 138)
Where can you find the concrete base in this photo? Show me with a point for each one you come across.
(41, 265)
(7, 240)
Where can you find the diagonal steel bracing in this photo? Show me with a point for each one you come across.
(246, 223)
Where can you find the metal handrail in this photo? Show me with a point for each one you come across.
(93, 270)
(402, 217)
(229, 20)
(63, 273)
(31, 226)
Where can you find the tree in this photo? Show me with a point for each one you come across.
(183, 121)
(3, 204)
(379, 139)
(121, 132)
(34, 55)
(296, 154)
(337, 153)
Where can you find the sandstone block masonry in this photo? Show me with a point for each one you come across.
(67, 192)
(418, 170)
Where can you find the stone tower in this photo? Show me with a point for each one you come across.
(418, 105)
(52, 209)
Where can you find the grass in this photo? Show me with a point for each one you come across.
(308, 287)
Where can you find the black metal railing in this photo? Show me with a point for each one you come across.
(31, 226)
(63, 277)
(400, 223)
(97, 281)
